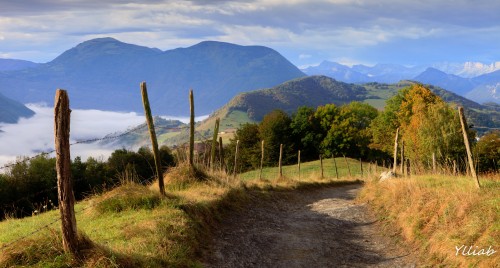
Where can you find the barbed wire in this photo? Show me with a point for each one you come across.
(4, 246)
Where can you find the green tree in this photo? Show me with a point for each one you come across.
(487, 151)
(248, 150)
(306, 133)
(349, 131)
(275, 130)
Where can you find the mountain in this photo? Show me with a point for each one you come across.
(388, 73)
(308, 91)
(11, 111)
(337, 71)
(382, 73)
(13, 65)
(105, 74)
(313, 91)
(468, 69)
(450, 82)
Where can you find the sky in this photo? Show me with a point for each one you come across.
(306, 32)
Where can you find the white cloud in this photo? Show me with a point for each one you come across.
(34, 135)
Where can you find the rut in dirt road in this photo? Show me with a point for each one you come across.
(316, 228)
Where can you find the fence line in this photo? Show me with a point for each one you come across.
(4, 246)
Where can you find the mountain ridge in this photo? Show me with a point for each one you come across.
(105, 74)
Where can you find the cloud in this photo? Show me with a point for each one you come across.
(34, 135)
(42, 29)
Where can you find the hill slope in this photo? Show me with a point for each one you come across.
(105, 74)
(11, 111)
(12, 64)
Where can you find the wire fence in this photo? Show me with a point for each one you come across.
(27, 198)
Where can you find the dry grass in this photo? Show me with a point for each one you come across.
(437, 213)
(134, 226)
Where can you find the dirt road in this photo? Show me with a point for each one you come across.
(305, 228)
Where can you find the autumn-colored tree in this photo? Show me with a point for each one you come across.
(487, 151)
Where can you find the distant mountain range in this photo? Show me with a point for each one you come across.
(11, 111)
(312, 91)
(13, 65)
(105, 74)
(477, 81)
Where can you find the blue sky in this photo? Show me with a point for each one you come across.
(304, 31)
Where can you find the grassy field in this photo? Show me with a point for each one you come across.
(311, 170)
(437, 213)
(133, 226)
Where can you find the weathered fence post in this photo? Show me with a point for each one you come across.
(298, 156)
(408, 169)
(214, 144)
(221, 155)
(402, 157)
(152, 135)
(321, 164)
(261, 159)
(191, 129)
(280, 159)
(467, 146)
(361, 166)
(348, 168)
(63, 169)
(434, 163)
(454, 167)
(395, 151)
(236, 159)
(336, 171)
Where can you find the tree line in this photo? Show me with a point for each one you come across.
(427, 126)
(29, 186)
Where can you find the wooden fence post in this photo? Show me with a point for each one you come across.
(299, 163)
(463, 122)
(434, 163)
(336, 171)
(191, 129)
(348, 168)
(454, 167)
(280, 159)
(63, 169)
(152, 135)
(395, 151)
(221, 155)
(321, 165)
(214, 144)
(408, 169)
(236, 159)
(361, 166)
(261, 159)
(402, 157)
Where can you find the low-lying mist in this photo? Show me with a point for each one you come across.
(31, 136)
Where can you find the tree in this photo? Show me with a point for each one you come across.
(487, 151)
(349, 130)
(306, 133)
(249, 147)
(275, 130)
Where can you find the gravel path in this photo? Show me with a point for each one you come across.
(306, 228)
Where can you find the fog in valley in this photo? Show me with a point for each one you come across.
(31, 136)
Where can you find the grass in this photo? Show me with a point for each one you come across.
(310, 170)
(133, 226)
(436, 213)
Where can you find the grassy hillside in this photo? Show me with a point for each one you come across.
(313, 91)
(437, 213)
(133, 226)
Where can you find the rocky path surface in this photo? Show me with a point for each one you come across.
(306, 228)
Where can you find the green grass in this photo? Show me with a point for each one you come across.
(133, 226)
(312, 169)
